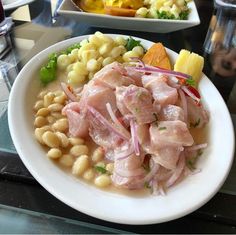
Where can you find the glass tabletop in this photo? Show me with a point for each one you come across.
(38, 25)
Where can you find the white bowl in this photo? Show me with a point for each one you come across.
(129, 23)
(180, 200)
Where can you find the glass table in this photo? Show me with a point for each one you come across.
(26, 207)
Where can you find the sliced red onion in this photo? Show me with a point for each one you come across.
(134, 137)
(152, 172)
(163, 71)
(124, 154)
(196, 147)
(188, 92)
(184, 105)
(139, 60)
(68, 93)
(103, 120)
(116, 121)
(178, 171)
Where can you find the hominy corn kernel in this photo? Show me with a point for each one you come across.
(40, 121)
(38, 105)
(50, 139)
(64, 141)
(76, 141)
(80, 165)
(102, 181)
(43, 112)
(78, 150)
(54, 153)
(66, 160)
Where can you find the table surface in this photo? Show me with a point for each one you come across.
(37, 26)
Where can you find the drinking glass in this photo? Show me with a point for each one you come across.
(220, 47)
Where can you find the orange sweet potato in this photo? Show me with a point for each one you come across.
(157, 56)
(119, 11)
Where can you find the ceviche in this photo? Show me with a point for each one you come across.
(117, 115)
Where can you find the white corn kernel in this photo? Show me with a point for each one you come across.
(92, 65)
(107, 61)
(64, 141)
(102, 181)
(141, 12)
(38, 105)
(40, 121)
(78, 150)
(89, 174)
(98, 154)
(50, 139)
(66, 160)
(80, 165)
(76, 141)
(54, 153)
(63, 61)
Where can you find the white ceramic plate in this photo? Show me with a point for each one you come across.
(180, 200)
(129, 23)
(12, 4)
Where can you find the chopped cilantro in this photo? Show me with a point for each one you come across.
(146, 185)
(71, 48)
(100, 169)
(184, 15)
(165, 15)
(146, 167)
(131, 43)
(169, 16)
(195, 124)
(190, 82)
(162, 128)
(191, 163)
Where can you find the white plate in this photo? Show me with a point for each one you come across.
(12, 4)
(180, 200)
(129, 23)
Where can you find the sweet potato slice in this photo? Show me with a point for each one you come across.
(157, 56)
(119, 11)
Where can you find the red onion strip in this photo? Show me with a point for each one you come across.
(116, 121)
(188, 92)
(163, 71)
(184, 104)
(196, 147)
(102, 120)
(134, 137)
(68, 93)
(124, 154)
(177, 173)
(139, 60)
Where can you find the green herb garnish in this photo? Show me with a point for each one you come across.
(162, 128)
(146, 185)
(191, 163)
(184, 15)
(71, 48)
(48, 72)
(190, 82)
(146, 167)
(131, 43)
(101, 169)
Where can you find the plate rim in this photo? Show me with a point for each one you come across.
(82, 209)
